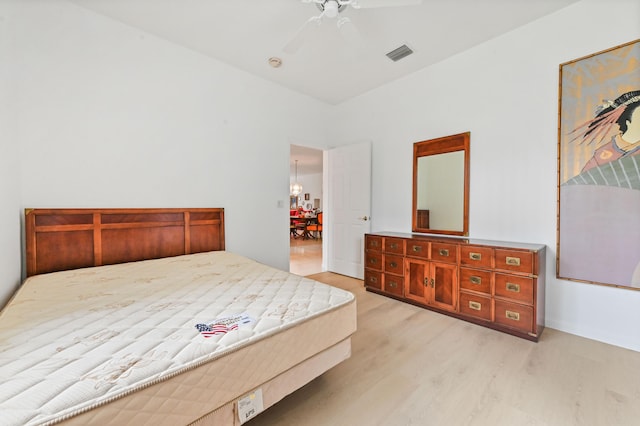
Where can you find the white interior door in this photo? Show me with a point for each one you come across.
(349, 206)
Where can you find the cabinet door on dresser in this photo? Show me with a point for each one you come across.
(432, 283)
(416, 279)
(416, 271)
(444, 286)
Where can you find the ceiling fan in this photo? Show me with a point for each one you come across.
(330, 10)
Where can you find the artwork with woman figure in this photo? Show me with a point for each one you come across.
(600, 206)
(615, 162)
(598, 234)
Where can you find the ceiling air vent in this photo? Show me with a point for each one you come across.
(399, 53)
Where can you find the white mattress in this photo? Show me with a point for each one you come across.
(125, 336)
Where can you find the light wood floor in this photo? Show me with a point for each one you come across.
(410, 366)
(305, 256)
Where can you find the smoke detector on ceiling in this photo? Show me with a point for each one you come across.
(275, 62)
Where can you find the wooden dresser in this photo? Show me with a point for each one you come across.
(492, 283)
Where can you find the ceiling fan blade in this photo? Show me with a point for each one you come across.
(303, 33)
(367, 4)
(349, 32)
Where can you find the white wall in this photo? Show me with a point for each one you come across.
(10, 237)
(505, 92)
(312, 185)
(110, 116)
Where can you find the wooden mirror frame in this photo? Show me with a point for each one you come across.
(453, 143)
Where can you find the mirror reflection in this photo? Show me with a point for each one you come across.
(440, 189)
(444, 204)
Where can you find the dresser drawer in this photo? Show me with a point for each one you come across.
(394, 284)
(514, 287)
(514, 315)
(478, 257)
(476, 280)
(475, 306)
(417, 248)
(373, 260)
(373, 279)
(373, 243)
(516, 261)
(394, 245)
(394, 264)
(444, 252)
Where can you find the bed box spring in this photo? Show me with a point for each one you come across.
(119, 344)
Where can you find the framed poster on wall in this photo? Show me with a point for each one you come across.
(599, 168)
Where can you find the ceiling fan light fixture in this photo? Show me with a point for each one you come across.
(331, 9)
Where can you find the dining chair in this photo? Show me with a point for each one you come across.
(316, 228)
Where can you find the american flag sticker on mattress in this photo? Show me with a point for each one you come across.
(224, 325)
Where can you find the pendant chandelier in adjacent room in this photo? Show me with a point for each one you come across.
(295, 188)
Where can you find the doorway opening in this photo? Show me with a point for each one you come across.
(305, 210)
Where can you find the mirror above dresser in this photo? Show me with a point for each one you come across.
(441, 185)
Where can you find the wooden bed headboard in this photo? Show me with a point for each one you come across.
(61, 239)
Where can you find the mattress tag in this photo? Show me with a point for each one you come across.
(224, 325)
(250, 406)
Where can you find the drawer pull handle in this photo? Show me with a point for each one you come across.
(373, 260)
(433, 283)
(513, 287)
(475, 256)
(373, 280)
(512, 315)
(475, 306)
(393, 284)
(393, 246)
(475, 280)
(393, 264)
(426, 282)
(513, 261)
(417, 248)
(373, 244)
(444, 252)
